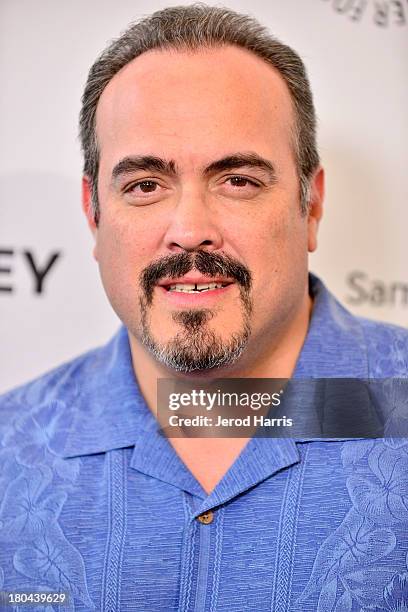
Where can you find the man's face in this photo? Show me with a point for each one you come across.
(201, 244)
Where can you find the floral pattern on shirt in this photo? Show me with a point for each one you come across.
(34, 486)
(346, 573)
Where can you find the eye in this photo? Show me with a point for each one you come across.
(142, 187)
(240, 186)
(241, 181)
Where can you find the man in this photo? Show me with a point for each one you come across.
(203, 189)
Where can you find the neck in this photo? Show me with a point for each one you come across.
(270, 359)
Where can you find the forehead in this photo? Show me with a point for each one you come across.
(174, 97)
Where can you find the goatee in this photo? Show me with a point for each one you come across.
(196, 348)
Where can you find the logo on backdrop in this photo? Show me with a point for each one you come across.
(363, 290)
(383, 13)
(39, 266)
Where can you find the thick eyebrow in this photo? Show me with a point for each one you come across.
(240, 160)
(149, 163)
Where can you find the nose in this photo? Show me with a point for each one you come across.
(193, 225)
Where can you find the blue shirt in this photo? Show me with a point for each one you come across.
(96, 503)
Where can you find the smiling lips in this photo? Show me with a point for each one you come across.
(194, 285)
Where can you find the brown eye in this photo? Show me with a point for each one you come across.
(239, 186)
(144, 192)
(239, 181)
(146, 186)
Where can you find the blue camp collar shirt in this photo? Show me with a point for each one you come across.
(94, 502)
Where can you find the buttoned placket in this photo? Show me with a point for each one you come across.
(204, 514)
(200, 535)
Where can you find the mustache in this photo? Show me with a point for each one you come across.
(208, 263)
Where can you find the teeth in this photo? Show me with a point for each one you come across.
(197, 288)
(181, 287)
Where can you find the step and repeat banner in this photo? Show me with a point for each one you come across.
(51, 300)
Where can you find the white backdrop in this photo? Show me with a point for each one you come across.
(356, 55)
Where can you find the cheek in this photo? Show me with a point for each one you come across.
(278, 257)
(122, 251)
(126, 242)
(277, 234)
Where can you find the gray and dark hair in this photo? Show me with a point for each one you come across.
(191, 28)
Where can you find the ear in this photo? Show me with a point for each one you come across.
(315, 208)
(88, 209)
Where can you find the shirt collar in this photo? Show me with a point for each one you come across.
(108, 412)
(335, 345)
(106, 409)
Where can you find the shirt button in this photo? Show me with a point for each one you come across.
(206, 518)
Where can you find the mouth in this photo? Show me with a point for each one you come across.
(194, 285)
(198, 291)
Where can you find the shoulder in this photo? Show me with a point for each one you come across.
(62, 380)
(387, 348)
(72, 387)
(340, 344)
(60, 385)
(37, 417)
